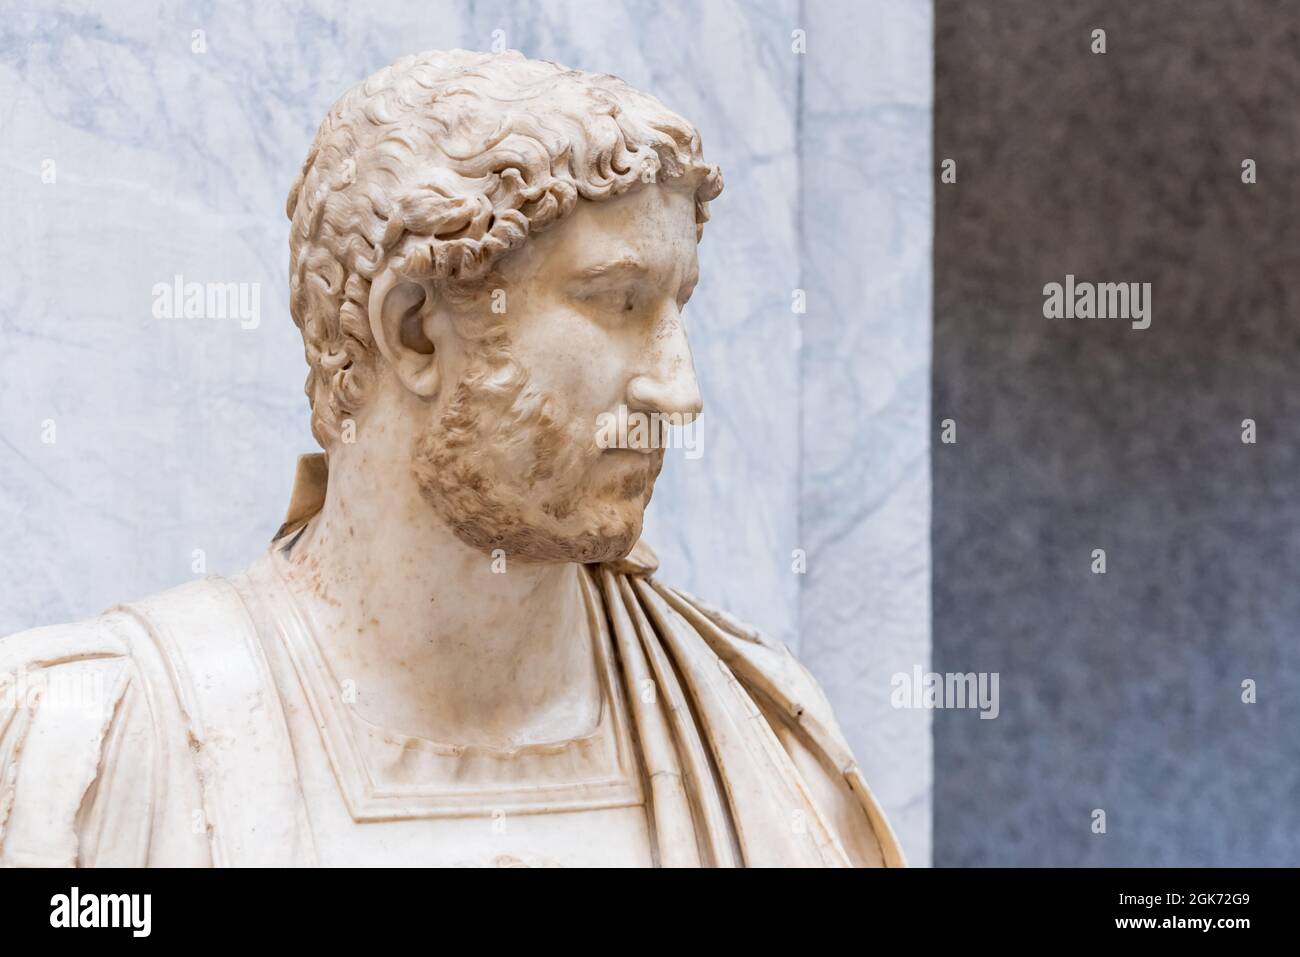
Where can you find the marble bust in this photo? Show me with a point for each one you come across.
(455, 650)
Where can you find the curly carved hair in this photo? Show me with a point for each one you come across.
(439, 165)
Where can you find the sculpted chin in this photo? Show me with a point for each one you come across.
(455, 651)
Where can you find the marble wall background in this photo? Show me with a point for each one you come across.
(864, 494)
(172, 436)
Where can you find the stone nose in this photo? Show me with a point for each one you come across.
(667, 384)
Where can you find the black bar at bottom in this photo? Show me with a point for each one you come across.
(365, 908)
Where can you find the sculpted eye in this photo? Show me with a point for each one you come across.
(610, 300)
(614, 288)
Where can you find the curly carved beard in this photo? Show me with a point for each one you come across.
(506, 466)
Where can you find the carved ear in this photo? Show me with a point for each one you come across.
(398, 310)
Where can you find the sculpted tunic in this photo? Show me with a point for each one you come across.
(200, 727)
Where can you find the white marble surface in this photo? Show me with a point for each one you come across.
(865, 494)
(176, 435)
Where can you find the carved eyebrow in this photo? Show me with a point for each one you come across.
(621, 266)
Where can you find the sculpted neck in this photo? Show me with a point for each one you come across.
(437, 643)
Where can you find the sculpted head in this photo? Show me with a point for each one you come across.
(487, 255)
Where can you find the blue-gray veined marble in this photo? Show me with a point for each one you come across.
(175, 440)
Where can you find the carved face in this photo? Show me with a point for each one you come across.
(592, 321)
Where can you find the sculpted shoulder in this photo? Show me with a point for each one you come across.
(90, 725)
(69, 721)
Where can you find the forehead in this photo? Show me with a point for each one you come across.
(654, 224)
